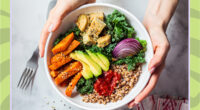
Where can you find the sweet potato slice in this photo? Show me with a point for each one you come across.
(63, 44)
(61, 62)
(71, 70)
(66, 82)
(54, 73)
(72, 84)
(59, 56)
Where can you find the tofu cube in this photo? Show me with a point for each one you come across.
(82, 22)
(88, 40)
(95, 27)
(99, 15)
(103, 41)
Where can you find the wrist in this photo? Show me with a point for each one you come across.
(154, 22)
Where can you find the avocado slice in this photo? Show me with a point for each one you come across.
(104, 59)
(87, 73)
(95, 68)
(97, 60)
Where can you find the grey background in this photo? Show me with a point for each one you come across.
(27, 20)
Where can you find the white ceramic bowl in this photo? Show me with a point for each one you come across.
(68, 22)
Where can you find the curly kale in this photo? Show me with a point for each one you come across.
(118, 26)
(85, 86)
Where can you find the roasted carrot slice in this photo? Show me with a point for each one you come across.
(71, 47)
(66, 82)
(72, 69)
(62, 61)
(63, 44)
(54, 73)
(72, 84)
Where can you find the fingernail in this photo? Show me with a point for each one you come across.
(130, 107)
(50, 28)
(134, 104)
(152, 70)
(40, 54)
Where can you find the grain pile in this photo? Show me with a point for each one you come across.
(127, 82)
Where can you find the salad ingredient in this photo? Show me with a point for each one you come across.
(105, 85)
(72, 84)
(71, 47)
(99, 15)
(65, 83)
(62, 45)
(74, 29)
(107, 51)
(127, 47)
(87, 73)
(85, 86)
(132, 61)
(54, 73)
(71, 70)
(63, 60)
(104, 59)
(87, 39)
(103, 41)
(118, 26)
(95, 28)
(143, 43)
(82, 22)
(123, 87)
(97, 60)
(95, 68)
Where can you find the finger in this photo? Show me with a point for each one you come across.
(158, 58)
(91, 1)
(56, 24)
(54, 21)
(43, 38)
(151, 84)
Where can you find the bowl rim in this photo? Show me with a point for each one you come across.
(86, 6)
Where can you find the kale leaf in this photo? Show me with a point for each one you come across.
(118, 26)
(85, 86)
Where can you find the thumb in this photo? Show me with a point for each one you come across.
(158, 58)
(55, 25)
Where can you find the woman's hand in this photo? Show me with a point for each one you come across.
(56, 15)
(161, 48)
(156, 19)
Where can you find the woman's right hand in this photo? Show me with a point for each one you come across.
(56, 15)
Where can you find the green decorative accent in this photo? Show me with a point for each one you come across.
(4, 54)
(5, 104)
(4, 32)
(195, 54)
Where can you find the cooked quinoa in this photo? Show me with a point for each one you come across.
(127, 82)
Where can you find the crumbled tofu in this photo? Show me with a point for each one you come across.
(82, 22)
(99, 15)
(88, 40)
(103, 41)
(95, 28)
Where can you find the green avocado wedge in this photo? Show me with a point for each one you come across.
(87, 73)
(104, 59)
(97, 60)
(95, 68)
